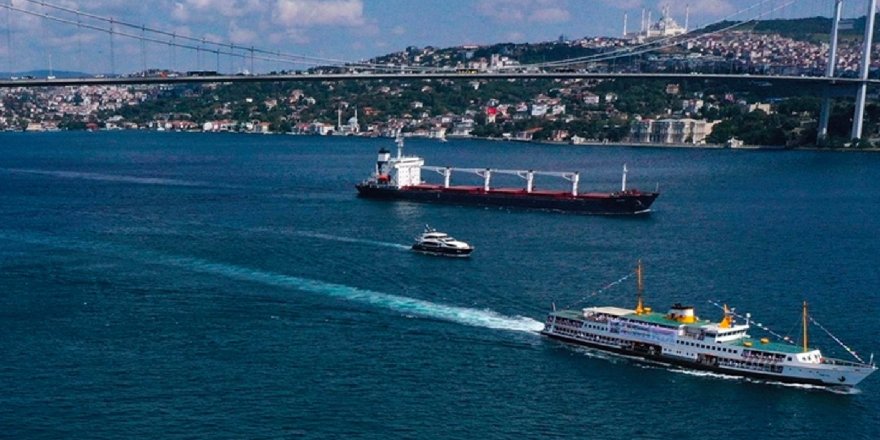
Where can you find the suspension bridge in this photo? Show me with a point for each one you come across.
(301, 68)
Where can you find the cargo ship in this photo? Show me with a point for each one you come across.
(400, 178)
(680, 338)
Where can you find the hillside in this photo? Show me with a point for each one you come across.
(813, 29)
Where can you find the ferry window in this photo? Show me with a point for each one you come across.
(789, 358)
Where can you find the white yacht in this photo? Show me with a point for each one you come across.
(438, 243)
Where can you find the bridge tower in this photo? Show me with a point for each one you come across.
(825, 113)
(859, 115)
(864, 70)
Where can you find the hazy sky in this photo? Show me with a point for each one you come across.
(339, 29)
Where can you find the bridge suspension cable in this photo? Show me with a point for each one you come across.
(199, 43)
(112, 32)
(670, 41)
(173, 40)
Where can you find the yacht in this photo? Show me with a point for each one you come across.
(438, 243)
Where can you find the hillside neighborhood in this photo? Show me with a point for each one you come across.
(694, 112)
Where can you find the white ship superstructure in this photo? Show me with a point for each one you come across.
(400, 171)
(679, 337)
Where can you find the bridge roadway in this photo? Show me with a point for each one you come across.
(133, 80)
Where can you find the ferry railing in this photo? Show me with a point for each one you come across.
(843, 363)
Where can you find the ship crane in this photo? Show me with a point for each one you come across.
(486, 174)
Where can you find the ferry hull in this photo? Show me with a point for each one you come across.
(627, 203)
(694, 365)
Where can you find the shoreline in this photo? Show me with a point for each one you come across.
(492, 139)
(675, 146)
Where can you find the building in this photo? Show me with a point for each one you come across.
(666, 27)
(671, 131)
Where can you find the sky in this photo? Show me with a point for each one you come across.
(329, 29)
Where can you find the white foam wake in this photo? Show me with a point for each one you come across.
(110, 177)
(461, 315)
(350, 240)
(402, 304)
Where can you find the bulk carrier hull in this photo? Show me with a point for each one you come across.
(400, 178)
(630, 202)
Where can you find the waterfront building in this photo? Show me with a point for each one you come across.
(671, 131)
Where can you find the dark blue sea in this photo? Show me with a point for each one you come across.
(175, 286)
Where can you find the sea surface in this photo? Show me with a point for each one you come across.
(181, 286)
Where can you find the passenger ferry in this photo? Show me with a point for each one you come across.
(680, 338)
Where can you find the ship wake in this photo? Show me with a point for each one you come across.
(110, 177)
(397, 303)
(401, 304)
(329, 237)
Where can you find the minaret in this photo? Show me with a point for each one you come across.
(644, 28)
(357, 125)
(687, 18)
(338, 119)
(624, 24)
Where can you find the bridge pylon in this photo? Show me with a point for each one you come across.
(825, 112)
(861, 95)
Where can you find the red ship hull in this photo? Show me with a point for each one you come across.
(630, 202)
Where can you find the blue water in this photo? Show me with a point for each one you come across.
(162, 285)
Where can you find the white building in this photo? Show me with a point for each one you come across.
(663, 28)
(671, 131)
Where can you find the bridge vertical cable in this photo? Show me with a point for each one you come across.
(79, 50)
(198, 56)
(44, 30)
(173, 52)
(112, 50)
(9, 40)
(144, 49)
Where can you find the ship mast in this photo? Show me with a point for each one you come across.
(805, 327)
(641, 287)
